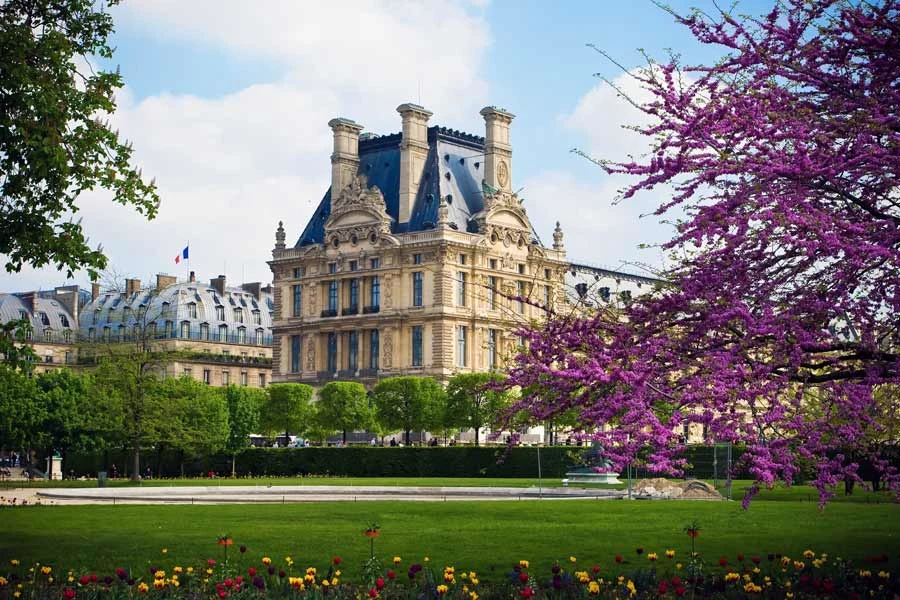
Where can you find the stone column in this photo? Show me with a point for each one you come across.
(345, 157)
(413, 152)
(497, 149)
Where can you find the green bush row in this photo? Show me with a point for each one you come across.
(364, 461)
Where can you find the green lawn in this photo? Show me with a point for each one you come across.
(484, 536)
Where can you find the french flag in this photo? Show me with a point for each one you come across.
(183, 255)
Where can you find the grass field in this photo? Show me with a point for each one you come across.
(485, 536)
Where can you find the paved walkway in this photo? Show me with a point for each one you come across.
(285, 494)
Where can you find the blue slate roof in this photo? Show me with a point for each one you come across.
(453, 172)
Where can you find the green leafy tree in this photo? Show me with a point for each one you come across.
(15, 352)
(20, 412)
(287, 409)
(408, 404)
(343, 406)
(128, 375)
(472, 403)
(196, 419)
(243, 417)
(54, 142)
(70, 421)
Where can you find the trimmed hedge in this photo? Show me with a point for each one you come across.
(365, 461)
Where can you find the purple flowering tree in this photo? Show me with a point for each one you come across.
(781, 326)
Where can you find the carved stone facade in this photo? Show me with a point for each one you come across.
(432, 283)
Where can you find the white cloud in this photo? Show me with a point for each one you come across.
(230, 167)
(597, 228)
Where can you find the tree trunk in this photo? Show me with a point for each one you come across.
(345, 437)
(407, 436)
(476, 435)
(233, 460)
(136, 460)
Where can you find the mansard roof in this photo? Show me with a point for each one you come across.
(454, 170)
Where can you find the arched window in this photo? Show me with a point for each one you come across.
(192, 310)
(242, 335)
(186, 328)
(259, 337)
(223, 333)
(204, 331)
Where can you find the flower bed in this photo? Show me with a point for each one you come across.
(650, 574)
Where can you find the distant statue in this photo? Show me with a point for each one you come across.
(594, 457)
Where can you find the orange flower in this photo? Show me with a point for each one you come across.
(225, 541)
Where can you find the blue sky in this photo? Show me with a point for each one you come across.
(227, 104)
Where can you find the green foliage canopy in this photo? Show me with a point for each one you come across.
(54, 142)
(343, 406)
(472, 403)
(287, 409)
(409, 403)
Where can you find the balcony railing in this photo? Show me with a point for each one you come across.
(325, 375)
(371, 310)
(329, 312)
(352, 310)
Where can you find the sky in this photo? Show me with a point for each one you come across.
(227, 104)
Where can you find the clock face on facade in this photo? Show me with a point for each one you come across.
(502, 174)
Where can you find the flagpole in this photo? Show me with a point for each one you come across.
(188, 261)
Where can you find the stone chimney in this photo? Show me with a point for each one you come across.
(413, 152)
(345, 158)
(29, 299)
(218, 284)
(67, 295)
(95, 290)
(497, 149)
(164, 281)
(132, 286)
(193, 277)
(252, 288)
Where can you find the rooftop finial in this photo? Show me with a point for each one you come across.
(558, 238)
(443, 215)
(279, 236)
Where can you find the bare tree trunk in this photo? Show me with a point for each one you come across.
(136, 460)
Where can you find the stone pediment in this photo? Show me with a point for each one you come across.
(503, 218)
(357, 213)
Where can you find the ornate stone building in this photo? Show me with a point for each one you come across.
(215, 333)
(53, 316)
(420, 258)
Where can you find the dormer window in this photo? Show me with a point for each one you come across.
(45, 320)
(239, 315)
(220, 313)
(64, 320)
(48, 335)
(257, 319)
(192, 310)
